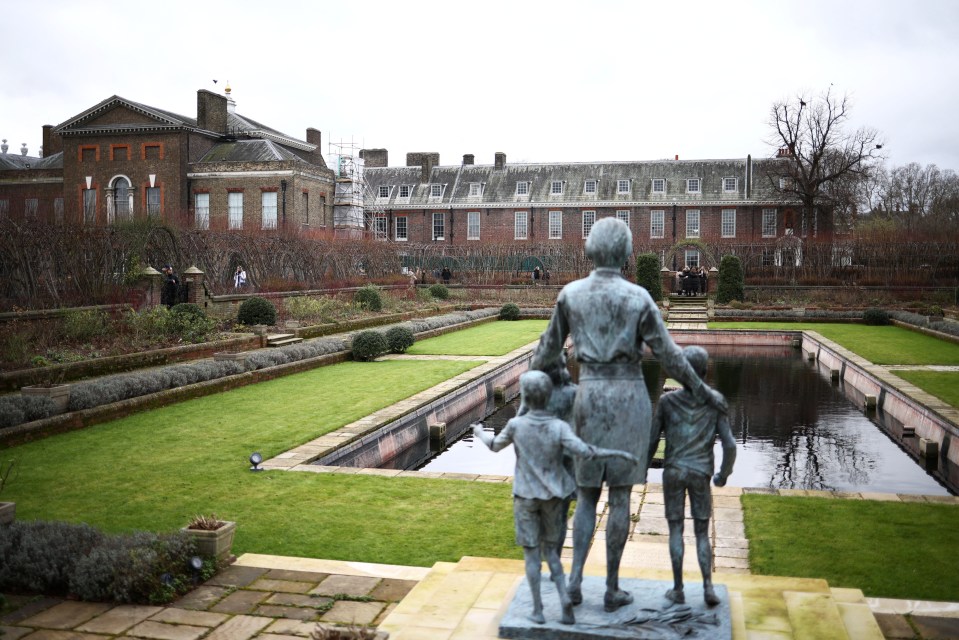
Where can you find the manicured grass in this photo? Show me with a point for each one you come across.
(887, 549)
(154, 470)
(488, 339)
(879, 345)
(942, 384)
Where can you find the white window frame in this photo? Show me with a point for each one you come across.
(30, 208)
(728, 223)
(381, 226)
(522, 188)
(520, 225)
(556, 188)
(268, 209)
(589, 219)
(730, 185)
(555, 225)
(657, 223)
(658, 182)
(436, 190)
(4, 208)
(691, 253)
(623, 186)
(234, 208)
(476, 189)
(439, 227)
(57, 210)
(590, 187)
(383, 192)
(693, 223)
(623, 214)
(472, 225)
(694, 185)
(770, 224)
(201, 210)
(89, 206)
(408, 189)
(401, 228)
(153, 208)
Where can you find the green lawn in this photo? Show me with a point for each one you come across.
(879, 345)
(887, 549)
(154, 470)
(942, 384)
(488, 339)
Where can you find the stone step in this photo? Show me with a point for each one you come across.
(282, 339)
(814, 616)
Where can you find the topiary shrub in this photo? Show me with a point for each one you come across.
(509, 311)
(875, 317)
(399, 339)
(732, 283)
(368, 345)
(190, 323)
(647, 275)
(369, 298)
(439, 291)
(256, 310)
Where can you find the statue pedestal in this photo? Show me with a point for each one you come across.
(650, 616)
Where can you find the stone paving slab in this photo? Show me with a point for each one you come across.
(66, 615)
(159, 631)
(118, 619)
(354, 586)
(350, 612)
(241, 601)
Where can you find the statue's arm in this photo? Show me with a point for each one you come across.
(502, 440)
(552, 341)
(729, 450)
(573, 445)
(656, 432)
(654, 333)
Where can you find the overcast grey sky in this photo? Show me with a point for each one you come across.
(542, 81)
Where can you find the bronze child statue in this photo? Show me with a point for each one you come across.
(541, 484)
(690, 427)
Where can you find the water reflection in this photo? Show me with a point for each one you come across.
(794, 428)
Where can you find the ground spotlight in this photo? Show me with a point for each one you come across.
(196, 563)
(255, 460)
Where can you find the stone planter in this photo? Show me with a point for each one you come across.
(292, 324)
(216, 543)
(8, 512)
(59, 393)
(231, 356)
(259, 329)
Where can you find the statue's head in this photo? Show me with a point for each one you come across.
(697, 359)
(557, 371)
(536, 387)
(609, 244)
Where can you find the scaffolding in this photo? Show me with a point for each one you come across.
(350, 218)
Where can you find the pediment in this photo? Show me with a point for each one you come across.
(118, 113)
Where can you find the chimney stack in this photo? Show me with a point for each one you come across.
(375, 157)
(52, 143)
(313, 136)
(500, 161)
(211, 111)
(677, 156)
(426, 161)
(467, 158)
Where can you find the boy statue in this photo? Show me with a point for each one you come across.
(690, 427)
(541, 483)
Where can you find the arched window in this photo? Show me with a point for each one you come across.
(121, 197)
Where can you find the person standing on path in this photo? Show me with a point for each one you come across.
(171, 287)
(609, 319)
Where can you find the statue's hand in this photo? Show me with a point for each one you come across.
(719, 480)
(477, 429)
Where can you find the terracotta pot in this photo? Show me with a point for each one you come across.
(216, 543)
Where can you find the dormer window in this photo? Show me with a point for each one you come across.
(405, 191)
(522, 188)
(694, 185)
(659, 185)
(590, 187)
(622, 186)
(730, 185)
(384, 192)
(436, 190)
(556, 188)
(476, 189)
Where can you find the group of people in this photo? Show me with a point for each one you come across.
(539, 275)
(692, 281)
(615, 433)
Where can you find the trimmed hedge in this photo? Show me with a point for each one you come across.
(399, 339)
(368, 345)
(64, 559)
(439, 291)
(648, 275)
(875, 317)
(369, 298)
(256, 310)
(509, 311)
(732, 282)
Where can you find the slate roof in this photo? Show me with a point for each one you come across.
(499, 187)
(248, 151)
(16, 161)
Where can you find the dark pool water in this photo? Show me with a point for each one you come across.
(795, 429)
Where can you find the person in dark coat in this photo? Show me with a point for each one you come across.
(446, 275)
(171, 287)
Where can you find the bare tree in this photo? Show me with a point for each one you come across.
(820, 159)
